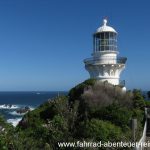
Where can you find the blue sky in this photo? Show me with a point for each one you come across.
(43, 42)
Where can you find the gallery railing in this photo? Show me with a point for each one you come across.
(106, 60)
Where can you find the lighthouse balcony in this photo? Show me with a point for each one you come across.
(107, 60)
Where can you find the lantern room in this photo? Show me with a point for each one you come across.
(105, 38)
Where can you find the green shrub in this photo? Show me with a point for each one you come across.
(76, 92)
(102, 131)
(147, 103)
(138, 100)
(119, 116)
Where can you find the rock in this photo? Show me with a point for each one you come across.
(23, 110)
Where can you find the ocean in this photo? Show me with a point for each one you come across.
(12, 101)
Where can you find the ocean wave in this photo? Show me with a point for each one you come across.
(31, 108)
(14, 113)
(8, 106)
(14, 121)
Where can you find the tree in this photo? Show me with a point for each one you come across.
(138, 100)
(148, 94)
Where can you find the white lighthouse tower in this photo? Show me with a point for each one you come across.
(105, 65)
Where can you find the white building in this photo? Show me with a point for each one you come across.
(105, 65)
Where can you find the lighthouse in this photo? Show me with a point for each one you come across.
(105, 65)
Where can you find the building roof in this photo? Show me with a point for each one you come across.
(105, 28)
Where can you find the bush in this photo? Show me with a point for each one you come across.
(138, 100)
(76, 92)
(44, 113)
(100, 130)
(104, 94)
(147, 103)
(117, 115)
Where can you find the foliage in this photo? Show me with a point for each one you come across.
(104, 94)
(93, 111)
(138, 100)
(119, 116)
(148, 94)
(147, 103)
(76, 92)
(102, 131)
(6, 135)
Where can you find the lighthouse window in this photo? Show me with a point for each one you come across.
(106, 48)
(102, 35)
(110, 48)
(102, 48)
(97, 44)
(113, 48)
(102, 42)
(111, 42)
(106, 35)
(105, 41)
(111, 35)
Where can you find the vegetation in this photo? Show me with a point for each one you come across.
(148, 94)
(92, 111)
(147, 103)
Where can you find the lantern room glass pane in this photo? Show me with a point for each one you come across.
(102, 35)
(111, 36)
(102, 48)
(106, 35)
(105, 41)
(102, 42)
